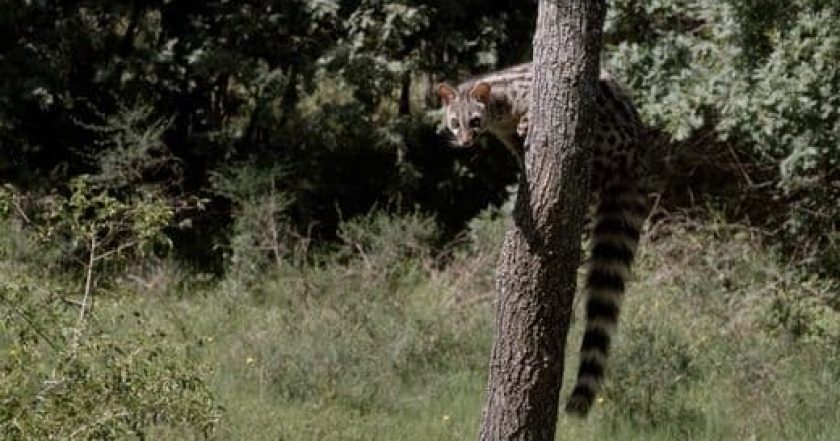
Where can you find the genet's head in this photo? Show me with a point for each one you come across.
(465, 113)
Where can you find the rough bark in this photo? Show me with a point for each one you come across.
(536, 275)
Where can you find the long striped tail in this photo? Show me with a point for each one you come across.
(621, 211)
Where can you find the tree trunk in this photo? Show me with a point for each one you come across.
(536, 276)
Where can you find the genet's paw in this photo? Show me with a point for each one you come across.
(522, 127)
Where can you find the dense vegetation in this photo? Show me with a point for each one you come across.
(239, 220)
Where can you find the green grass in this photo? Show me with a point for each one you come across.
(379, 341)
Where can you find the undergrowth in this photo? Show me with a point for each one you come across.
(386, 337)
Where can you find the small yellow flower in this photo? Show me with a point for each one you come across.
(209, 339)
(13, 352)
(445, 418)
(249, 360)
(600, 400)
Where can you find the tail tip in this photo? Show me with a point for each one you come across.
(579, 405)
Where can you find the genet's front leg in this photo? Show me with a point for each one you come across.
(522, 126)
(515, 145)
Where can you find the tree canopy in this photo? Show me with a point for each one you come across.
(328, 102)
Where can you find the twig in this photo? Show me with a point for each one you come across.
(71, 302)
(88, 277)
(275, 238)
(20, 211)
(117, 250)
(740, 166)
(654, 208)
(365, 259)
(88, 286)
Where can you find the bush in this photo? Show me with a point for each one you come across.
(261, 235)
(69, 373)
(763, 78)
(62, 378)
(720, 340)
(809, 309)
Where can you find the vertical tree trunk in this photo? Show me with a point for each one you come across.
(536, 277)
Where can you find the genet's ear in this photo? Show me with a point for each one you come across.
(481, 92)
(447, 93)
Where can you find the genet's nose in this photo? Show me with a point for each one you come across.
(466, 139)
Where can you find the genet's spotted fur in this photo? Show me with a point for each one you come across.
(498, 103)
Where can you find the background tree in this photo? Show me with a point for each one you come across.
(336, 93)
(323, 89)
(537, 271)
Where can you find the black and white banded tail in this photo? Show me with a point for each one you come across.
(621, 211)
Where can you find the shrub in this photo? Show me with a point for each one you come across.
(763, 78)
(70, 374)
(65, 379)
(719, 339)
(261, 235)
(808, 308)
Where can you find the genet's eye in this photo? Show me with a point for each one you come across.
(453, 123)
(475, 122)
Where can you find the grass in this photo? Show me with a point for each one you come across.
(379, 340)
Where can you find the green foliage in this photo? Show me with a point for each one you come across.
(68, 375)
(132, 149)
(376, 338)
(337, 94)
(659, 363)
(169, 95)
(273, 141)
(261, 234)
(763, 76)
(91, 224)
(118, 378)
(698, 354)
(345, 334)
(810, 311)
(406, 238)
